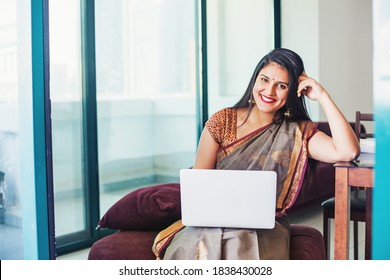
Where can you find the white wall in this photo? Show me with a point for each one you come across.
(334, 38)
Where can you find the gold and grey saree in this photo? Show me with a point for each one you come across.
(281, 147)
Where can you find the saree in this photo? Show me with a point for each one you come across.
(279, 147)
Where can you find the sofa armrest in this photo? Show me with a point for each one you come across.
(124, 245)
(307, 243)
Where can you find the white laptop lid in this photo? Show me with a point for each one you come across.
(228, 198)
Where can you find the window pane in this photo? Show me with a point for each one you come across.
(15, 94)
(239, 34)
(146, 73)
(65, 92)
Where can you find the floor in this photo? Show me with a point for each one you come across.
(310, 216)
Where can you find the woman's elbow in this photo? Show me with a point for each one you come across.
(350, 154)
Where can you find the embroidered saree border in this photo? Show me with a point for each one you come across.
(164, 237)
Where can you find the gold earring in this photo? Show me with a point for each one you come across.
(288, 113)
(252, 102)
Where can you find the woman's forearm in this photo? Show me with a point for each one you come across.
(344, 138)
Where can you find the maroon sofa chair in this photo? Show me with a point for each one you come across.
(306, 244)
(141, 214)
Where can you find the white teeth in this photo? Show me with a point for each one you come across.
(266, 98)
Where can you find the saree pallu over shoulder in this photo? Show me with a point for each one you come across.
(297, 167)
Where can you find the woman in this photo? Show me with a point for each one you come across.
(268, 129)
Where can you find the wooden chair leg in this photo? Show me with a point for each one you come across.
(368, 224)
(326, 233)
(355, 240)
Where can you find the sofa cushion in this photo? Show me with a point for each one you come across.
(149, 208)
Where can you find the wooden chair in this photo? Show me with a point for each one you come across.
(360, 203)
(360, 117)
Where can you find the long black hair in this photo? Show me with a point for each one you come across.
(293, 63)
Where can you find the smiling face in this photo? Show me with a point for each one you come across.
(271, 88)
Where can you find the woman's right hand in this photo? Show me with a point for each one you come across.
(310, 87)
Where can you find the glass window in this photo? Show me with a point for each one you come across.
(15, 127)
(146, 88)
(66, 96)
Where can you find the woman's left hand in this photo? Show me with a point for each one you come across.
(309, 87)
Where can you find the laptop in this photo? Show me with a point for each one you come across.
(228, 198)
